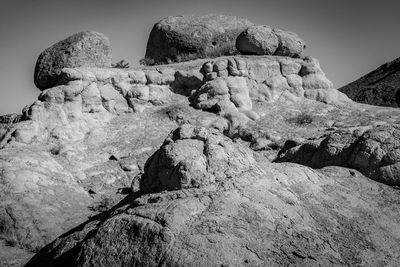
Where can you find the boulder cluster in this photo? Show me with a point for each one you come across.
(184, 38)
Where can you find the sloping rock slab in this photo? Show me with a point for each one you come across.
(269, 215)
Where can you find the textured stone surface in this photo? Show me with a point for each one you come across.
(263, 40)
(171, 165)
(83, 49)
(375, 153)
(194, 157)
(279, 214)
(379, 87)
(182, 38)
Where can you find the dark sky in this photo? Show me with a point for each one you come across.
(350, 38)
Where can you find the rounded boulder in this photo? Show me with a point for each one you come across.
(263, 40)
(83, 49)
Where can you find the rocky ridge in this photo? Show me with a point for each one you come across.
(379, 87)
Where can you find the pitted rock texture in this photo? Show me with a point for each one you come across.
(379, 87)
(374, 152)
(263, 40)
(195, 157)
(83, 49)
(286, 215)
(183, 38)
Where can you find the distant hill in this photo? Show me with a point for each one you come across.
(380, 87)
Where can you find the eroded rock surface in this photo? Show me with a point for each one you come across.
(375, 152)
(194, 157)
(206, 194)
(263, 40)
(269, 214)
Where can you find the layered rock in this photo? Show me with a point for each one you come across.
(263, 40)
(379, 87)
(83, 49)
(89, 97)
(39, 198)
(375, 152)
(183, 38)
(232, 84)
(261, 214)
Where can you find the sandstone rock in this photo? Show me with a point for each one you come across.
(35, 207)
(186, 81)
(191, 37)
(280, 215)
(290, 44)
(89, 49)
(316, 81)
(289, 67)
(263, 40)
(310, 65)
(194, 157)
(328, 96)
(375, 153)
(258, 40)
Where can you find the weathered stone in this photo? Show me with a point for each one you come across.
(258, 40)
(316, 81)
(191, 37)
(290, 45)
(376, 153)
(263, 40)
(83, 49)
(194, 157)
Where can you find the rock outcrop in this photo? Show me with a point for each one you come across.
(263, 40)
(89, 97)
(380, 87)
(375, 153)
(83, 49)
(171, 164)
(183, 38)
(194, 157)
(264, 214)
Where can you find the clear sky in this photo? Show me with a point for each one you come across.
(349, 37)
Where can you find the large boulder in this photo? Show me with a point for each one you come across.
(83, 49)
(263, 40)
(182, 38)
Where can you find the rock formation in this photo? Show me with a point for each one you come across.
(253, 214)
(183, 38)
(263, 40)
(83, 49)
(380, 87)
(172, 164)
(375, 153)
